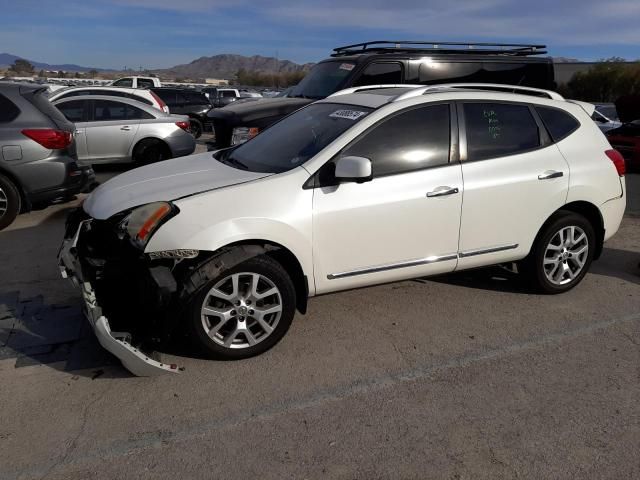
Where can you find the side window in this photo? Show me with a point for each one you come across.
(135, 113)
(196, 98)
(167, 96)
(106, 110)
(443, 72)
(559, 124)
(73, 110)
(8, 110)
(379, 74)
(181, 99)
(227, 93)
(123, 82)
(499, 129)
(145, 83)
(411, 140)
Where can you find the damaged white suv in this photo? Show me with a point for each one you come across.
(370, 185)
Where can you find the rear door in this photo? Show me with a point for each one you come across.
(514, 179)
(109, 133)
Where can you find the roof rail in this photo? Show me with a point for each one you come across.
(363, 88)
(396, 46)
(493, 87)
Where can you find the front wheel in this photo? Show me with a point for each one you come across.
(9, 202)
(195, 127)
(245, 311)
(562, 254)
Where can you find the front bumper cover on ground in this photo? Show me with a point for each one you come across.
(118, 343)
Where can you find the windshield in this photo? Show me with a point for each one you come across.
(323, 80)
(295, 139)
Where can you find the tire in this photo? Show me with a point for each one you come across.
(196, 127)
(150, 151)
(557, 261)
(215, 321)
(10, 202)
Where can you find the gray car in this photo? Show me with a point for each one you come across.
(38, 162)
(120, 130)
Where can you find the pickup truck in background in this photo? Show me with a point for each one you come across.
(137, 82)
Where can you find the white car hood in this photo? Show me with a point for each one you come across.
(164, 181)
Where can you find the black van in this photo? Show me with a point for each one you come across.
(390, 62)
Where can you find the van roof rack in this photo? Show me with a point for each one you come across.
(411, 46)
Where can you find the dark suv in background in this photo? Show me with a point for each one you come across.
(390, 62)
(38, 162)
(184, 101)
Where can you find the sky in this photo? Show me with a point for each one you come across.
(163, 33)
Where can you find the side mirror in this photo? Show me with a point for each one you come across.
(353, 169)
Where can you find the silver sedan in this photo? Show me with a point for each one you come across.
(120, 130)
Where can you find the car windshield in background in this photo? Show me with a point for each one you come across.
(294, 140)
(323, 80)
(608, 111)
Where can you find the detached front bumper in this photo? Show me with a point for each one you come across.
(118, 343)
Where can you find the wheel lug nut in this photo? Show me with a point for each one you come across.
(241, 318)
(250, 312)
(233, 312)
(248, 302)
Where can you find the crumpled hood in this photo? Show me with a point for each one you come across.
(164, 181)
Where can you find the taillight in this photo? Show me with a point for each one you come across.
(49, 138)
(184, 125)
(163, 106)
(618, 160)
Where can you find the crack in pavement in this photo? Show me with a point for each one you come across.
(120, 447)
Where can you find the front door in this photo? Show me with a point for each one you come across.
(405, 222)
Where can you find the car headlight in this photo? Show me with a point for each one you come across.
(142, 222)
(242, 134)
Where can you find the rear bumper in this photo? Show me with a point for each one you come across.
(181, 143)
(81, 179)
(118, 343)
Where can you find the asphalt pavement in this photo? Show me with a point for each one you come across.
(464, 376)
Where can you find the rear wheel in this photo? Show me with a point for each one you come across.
(562, 253)
(245, 311)
(150, 151)
(10, 202)
(196, 127)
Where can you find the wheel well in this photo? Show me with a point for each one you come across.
(150, 140)
(593, 215)
(240, 251)
(26, 203)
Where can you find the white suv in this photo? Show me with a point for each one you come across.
(361, 188)
(141, 95)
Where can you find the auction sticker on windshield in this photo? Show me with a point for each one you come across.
(348, 114)
(347, 66)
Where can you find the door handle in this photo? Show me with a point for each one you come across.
(548, 174)
(442, 191)
(126, 128)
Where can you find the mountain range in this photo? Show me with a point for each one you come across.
(222, 66)
(7, 59)
(226, 65)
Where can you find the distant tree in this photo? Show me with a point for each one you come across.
(62, 74)
(21, 67)
(42, 74)
(605, 82)
(92, 73)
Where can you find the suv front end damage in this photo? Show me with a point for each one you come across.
(116, 281)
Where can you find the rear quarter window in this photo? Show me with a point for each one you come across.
(558, 123)
(8, 110)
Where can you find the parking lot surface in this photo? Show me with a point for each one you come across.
(461, 376)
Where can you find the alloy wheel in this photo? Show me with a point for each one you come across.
(241, 310)
(4, 203)
(566, 255)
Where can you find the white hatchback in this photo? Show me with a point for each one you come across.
(370, 185)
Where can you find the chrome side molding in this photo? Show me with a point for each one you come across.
(422, 261)
(393, 266)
